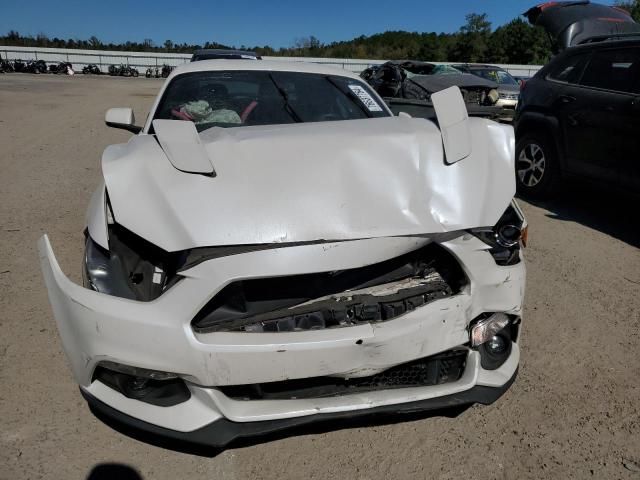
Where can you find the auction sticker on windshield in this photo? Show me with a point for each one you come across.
(365, 98)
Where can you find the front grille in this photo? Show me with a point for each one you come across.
(375, 293)
(439, 369)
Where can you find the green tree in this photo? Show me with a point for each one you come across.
(631, 6)
(94, 43)
(520, 43)
(472, 43)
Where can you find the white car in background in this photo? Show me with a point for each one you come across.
(274, 248)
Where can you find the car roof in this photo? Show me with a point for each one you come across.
(223, 51)
(264, 65)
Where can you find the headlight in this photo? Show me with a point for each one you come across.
(506, 236)
(132, 267)
(103, 272)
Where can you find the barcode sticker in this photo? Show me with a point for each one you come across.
(365, 98)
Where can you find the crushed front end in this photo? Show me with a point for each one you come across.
(214, 308)
(244, 341)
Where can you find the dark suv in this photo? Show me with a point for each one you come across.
(580, 114)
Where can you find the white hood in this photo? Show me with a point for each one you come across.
(307, 182)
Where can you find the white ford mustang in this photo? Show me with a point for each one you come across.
(274, 248)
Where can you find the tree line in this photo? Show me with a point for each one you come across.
(516, 42)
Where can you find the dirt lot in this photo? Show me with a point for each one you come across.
(574, 411)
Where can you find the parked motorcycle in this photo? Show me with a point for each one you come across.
(152, 73)
(62, 68)
(19, 65)
(123, 71)
(91, 69)
(166, 70)
(6, 65)
(41, 66)
(35, 66)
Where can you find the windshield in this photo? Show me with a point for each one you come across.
(501, 77)
(242, 98)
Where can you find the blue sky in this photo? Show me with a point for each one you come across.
(249, 22)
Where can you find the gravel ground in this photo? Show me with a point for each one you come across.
(572, 413)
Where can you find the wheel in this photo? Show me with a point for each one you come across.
(536, 165)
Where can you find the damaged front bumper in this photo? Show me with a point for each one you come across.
(159, 336)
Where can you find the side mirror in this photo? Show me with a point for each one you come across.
(122, 118)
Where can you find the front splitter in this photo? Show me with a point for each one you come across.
(223, 432)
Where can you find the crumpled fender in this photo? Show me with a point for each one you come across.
(308, 182)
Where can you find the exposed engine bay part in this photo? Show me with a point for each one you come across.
(573, 23)
(370, 178)
(374, 293)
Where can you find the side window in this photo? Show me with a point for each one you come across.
(616, 70)
(570, 69)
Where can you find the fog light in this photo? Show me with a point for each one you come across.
(497, 345)
(486, 329)
(137, 387)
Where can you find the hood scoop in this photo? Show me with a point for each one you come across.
(181, 143)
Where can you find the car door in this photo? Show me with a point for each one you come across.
(597, 112)
(631, 160)
(579, 125)
(611, 117)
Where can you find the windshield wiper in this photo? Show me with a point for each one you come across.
(350, 94)
(287, 105)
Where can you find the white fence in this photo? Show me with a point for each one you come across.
(144, 60)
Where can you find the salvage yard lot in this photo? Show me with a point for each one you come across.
(573, 412)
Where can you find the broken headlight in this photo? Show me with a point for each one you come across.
(132, 267)
(506, 236)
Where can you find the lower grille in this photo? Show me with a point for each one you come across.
(439, 369)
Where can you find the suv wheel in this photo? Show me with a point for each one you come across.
(536, 166)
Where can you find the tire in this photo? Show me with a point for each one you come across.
(537, 171)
